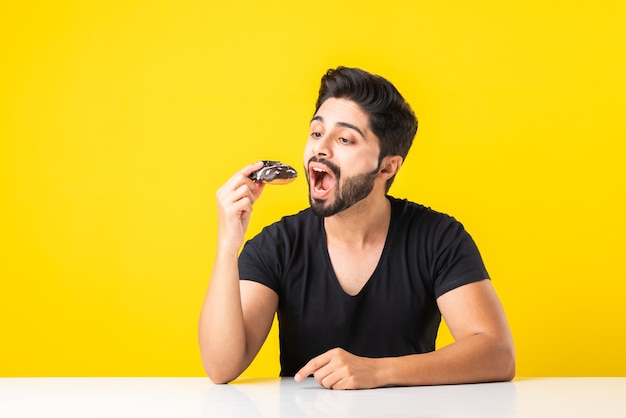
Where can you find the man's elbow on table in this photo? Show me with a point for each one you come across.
(219, 377)
(505, 365)
(509, 373)
(219, 373)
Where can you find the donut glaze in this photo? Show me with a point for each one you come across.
(274, 172)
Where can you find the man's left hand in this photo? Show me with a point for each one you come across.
(339, 369)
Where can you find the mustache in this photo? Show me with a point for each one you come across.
(332, 167)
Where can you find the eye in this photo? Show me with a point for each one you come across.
(316, 135)
(345, 140)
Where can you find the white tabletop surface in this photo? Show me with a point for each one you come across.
(198, 397)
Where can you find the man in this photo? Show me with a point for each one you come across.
(359, 280)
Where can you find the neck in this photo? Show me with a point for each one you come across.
(364, 223)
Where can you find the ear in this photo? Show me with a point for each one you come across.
(391, 165)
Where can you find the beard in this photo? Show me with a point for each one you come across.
(351, 191)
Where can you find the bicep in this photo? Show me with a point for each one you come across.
(259, 304)
(474, 308)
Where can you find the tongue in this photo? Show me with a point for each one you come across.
(323, 182)
(327, 182)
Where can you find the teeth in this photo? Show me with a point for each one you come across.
(319, 170)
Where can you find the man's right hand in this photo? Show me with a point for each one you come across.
(234, 205)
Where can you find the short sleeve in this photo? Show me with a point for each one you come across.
(457, 260)
(259, 259)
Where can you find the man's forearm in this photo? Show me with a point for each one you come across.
(221, 329)
(474, 359)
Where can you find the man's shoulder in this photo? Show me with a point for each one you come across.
(303, 219)
(405, 207)
(408, 215)
(304, 216)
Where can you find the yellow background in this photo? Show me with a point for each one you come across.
(120, 119)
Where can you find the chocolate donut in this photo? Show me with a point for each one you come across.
(274, 172)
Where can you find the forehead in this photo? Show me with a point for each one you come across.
(335, 110)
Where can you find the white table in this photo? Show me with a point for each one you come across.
(198, 397)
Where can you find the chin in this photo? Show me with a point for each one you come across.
(321, 207)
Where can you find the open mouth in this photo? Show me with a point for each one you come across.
(322, 179)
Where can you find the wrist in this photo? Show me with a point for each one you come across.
(227, 251)
(399, 371)
(385, 373)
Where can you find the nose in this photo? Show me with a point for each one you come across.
(321, 146)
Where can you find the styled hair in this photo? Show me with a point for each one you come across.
(391, 118)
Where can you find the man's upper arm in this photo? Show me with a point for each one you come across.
(472, 309)
(259, 304)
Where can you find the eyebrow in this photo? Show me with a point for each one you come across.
(343, 124)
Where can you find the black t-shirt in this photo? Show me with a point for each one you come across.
(426, 254)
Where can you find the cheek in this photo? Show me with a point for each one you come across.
(369, 161)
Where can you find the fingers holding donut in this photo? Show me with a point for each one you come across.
(234, 202)
(236, 197)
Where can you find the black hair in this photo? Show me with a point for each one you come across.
(391, 118)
